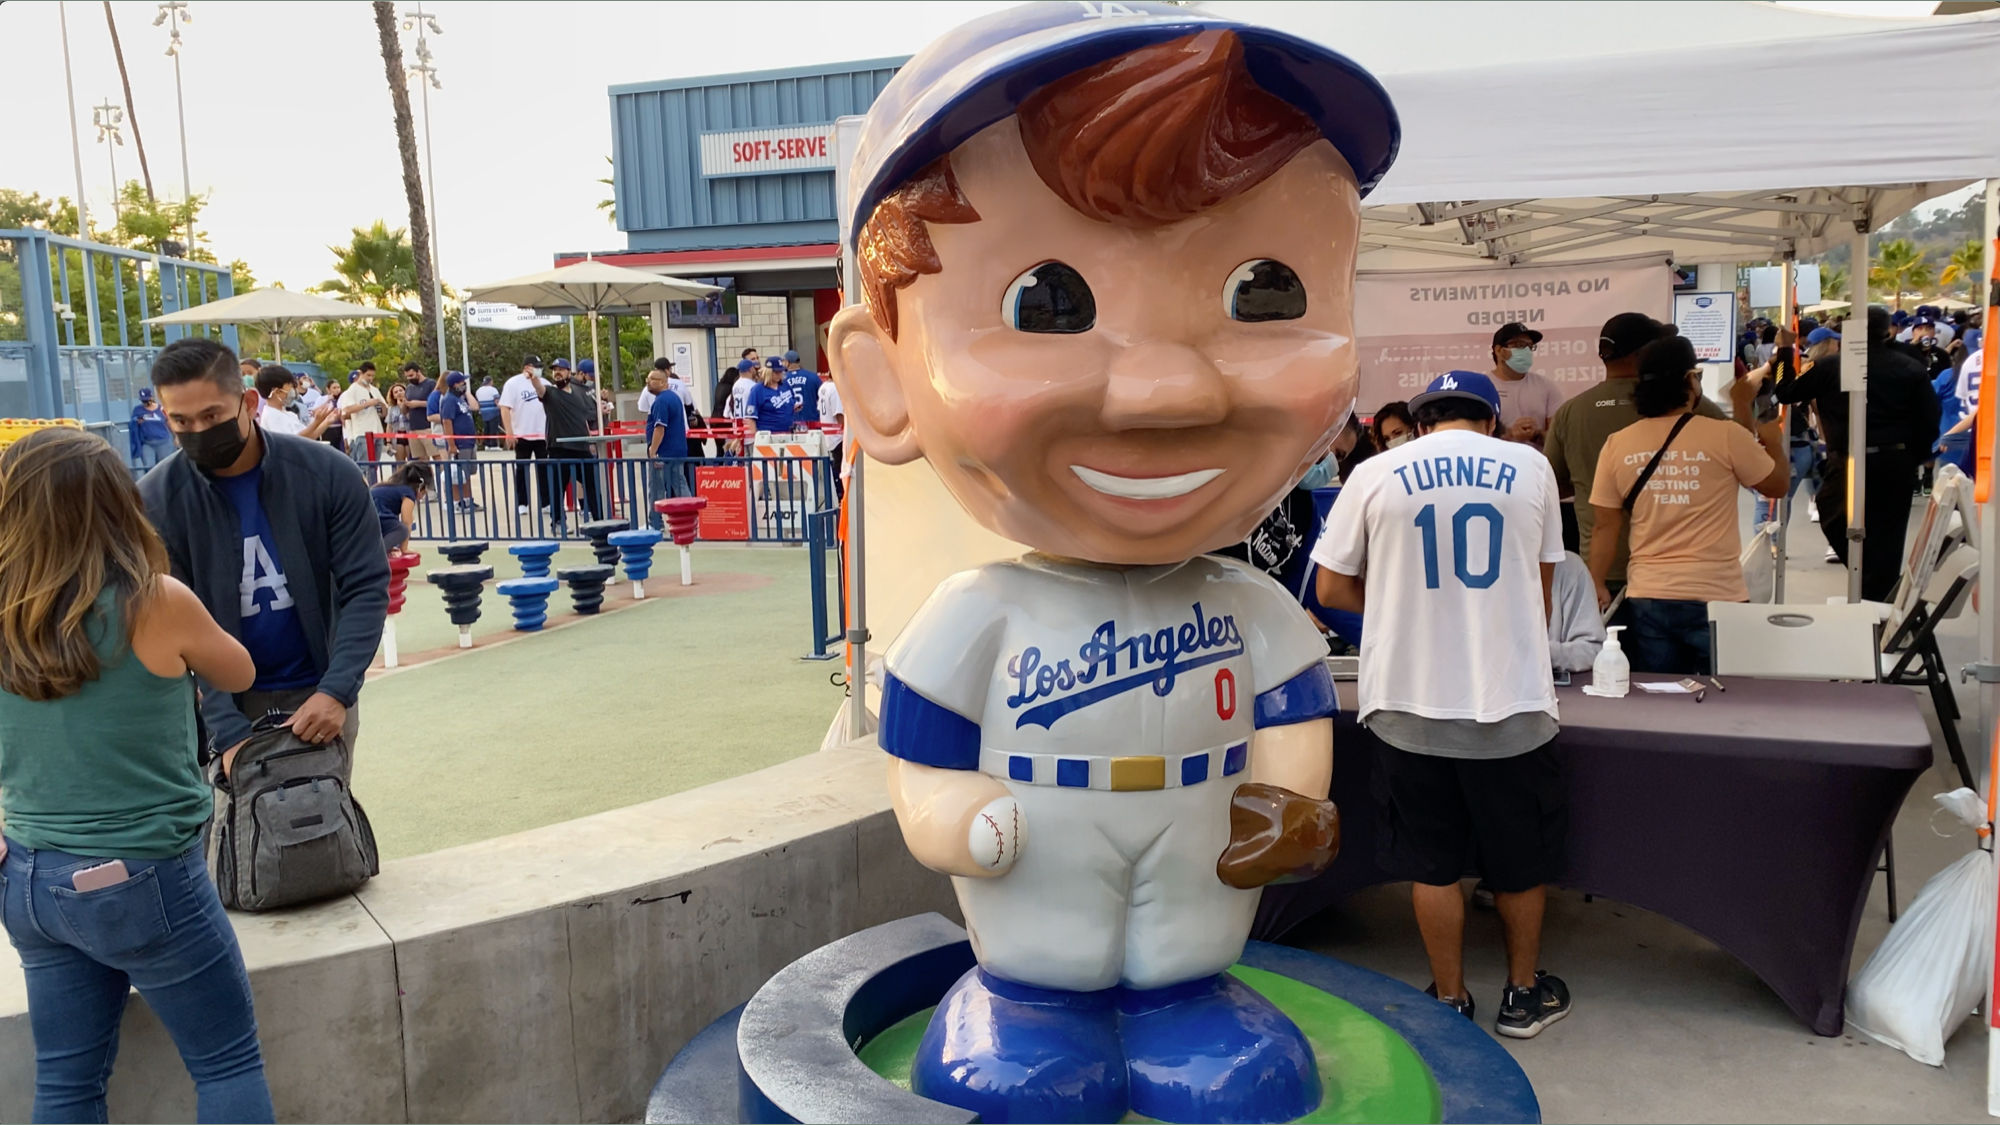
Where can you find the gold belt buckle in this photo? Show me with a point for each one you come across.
(1139, 772)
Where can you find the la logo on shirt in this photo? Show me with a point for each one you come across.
(260, 572)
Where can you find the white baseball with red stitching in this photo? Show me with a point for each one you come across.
(995, 835)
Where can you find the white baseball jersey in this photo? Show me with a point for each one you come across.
(1117, 705)
(531, 418)
(1449, 532)
(829, 402)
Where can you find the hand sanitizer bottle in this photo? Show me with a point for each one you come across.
(1611, 675)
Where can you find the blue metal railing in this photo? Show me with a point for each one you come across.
(823, 546)
(496, 497)
(77, 347)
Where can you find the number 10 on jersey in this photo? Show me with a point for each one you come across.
(1462, 530)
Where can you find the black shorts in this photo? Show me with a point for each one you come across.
(1505, 819)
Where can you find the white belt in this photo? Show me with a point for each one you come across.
(1128, 773)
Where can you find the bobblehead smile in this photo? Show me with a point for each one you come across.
(1144, 488)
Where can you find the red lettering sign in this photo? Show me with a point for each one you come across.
(727, 488)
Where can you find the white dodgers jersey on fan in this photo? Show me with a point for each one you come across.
(1449, 532)
(1076, 676)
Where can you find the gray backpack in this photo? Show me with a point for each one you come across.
(287, 827)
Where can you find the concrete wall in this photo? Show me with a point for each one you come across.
(762, 323)
(545, 976)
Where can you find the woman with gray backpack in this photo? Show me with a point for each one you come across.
(103, 886)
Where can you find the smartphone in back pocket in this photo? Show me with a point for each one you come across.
(103, 875)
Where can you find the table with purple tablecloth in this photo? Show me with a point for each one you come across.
(1755, 818)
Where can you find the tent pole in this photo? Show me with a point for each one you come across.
(1854, 380)
(1987, 606)
(1787, 316)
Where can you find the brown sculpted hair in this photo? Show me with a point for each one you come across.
(1149, 138)
(71, 525)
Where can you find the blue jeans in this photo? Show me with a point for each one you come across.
(1668, 636)
(162, 931)
(152, 453)
(1802, 458)
(664, 480)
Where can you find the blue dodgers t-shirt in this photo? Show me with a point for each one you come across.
(668, 419)
(772, 408)
(388, 500)
(270, 625)
(805, 393)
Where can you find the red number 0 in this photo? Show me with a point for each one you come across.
(1225, 693)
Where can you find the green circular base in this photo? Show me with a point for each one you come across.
(1368, 1071)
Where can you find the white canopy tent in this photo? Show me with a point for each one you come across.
(1713, 131)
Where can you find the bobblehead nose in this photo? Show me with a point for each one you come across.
(1163, 386)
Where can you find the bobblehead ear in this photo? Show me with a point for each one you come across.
(870, 391)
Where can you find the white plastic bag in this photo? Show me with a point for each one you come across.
(1931, 971)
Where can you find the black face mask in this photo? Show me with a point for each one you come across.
(215, 448)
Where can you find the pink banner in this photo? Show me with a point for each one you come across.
(1416, 325)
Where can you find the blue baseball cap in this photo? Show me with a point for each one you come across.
(981, 72)
(1899, 318)
(586, 367)
(1461, 384)
(560, 364)
(454, 378)
(1821, 336)
(791, 357)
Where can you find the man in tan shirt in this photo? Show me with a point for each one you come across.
(1684, 544)
(1587, 420)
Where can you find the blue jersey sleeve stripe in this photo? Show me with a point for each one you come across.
(1306, 696)
(917, 730)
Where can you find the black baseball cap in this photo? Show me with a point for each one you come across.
(1515, 328)
(663, 364)
(532, 361)
(1626, 333)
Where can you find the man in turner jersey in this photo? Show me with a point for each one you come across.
(1454, 538)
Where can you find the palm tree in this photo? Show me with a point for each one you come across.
(413, 182)
(377, 267)
(131, 111)
(610, 205)
(1832, 283)
(1964, 267)
(1899, 266)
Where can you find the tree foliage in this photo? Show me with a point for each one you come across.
(1964, 267)
(377, 267)
(1899, 267)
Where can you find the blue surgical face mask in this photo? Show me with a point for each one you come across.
(1520, 359)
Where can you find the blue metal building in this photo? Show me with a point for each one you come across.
(731, 177)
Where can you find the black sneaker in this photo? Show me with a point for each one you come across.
(1460, 1004)
(1524, 1012)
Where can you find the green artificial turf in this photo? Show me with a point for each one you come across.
(667, 695)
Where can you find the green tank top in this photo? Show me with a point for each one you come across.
(111, 770)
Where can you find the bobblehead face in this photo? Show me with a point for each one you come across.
(1168, 426)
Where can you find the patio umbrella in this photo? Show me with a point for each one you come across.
(276, 310)
(1825, 307)
(1951, 304)
(590, 287)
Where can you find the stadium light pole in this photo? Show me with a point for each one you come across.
(82, 209)
(174, 13)
(424, 72)
(109, 118)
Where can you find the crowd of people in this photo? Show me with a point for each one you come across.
(1650, 557)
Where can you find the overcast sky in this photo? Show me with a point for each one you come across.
(289, 124)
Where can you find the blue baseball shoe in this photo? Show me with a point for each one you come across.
(1013, 1052)
(1215, 1050)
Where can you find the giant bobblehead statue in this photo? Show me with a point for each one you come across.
(1107, 253)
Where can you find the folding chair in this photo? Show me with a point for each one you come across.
(1910, 656)
(1803, 642)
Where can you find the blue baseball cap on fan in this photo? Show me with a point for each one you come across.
(1820, 336)
(982, 71)
(1461, 384)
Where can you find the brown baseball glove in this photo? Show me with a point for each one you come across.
(1276, 835)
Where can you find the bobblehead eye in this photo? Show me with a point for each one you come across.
(1050, 298)
(1263, 289)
